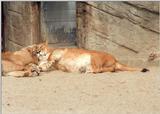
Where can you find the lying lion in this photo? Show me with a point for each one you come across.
(80, 60)
(21, 63)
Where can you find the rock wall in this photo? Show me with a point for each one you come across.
(21, 24)
(128, 30)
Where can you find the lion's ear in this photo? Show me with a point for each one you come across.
(46, 42)
(30, 49)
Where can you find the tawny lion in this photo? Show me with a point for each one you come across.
(20, 63)
(81, 60)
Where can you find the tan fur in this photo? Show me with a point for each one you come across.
(20, 63)
(81, 60)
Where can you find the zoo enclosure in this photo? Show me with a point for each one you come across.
(128, 30)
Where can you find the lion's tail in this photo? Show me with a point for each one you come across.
(122, 67)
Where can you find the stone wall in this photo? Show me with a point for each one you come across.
(21, 24)
(128, 30)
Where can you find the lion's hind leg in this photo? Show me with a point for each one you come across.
(9, 66)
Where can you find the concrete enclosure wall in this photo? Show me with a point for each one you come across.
(128, 30)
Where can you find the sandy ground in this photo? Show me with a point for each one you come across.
(58, 92)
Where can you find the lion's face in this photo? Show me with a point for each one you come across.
(42, 52)
(39, 51)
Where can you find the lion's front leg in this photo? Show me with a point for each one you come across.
(28, 71)
(33, 69)
(46, 65)
(17, 73)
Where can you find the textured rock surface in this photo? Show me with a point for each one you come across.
(128, 30)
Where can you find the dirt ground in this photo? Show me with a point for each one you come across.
(58, 92)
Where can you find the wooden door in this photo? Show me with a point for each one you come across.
(20, 24)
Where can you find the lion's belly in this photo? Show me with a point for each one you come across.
(81, 63)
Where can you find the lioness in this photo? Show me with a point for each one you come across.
(81, 60)
(21, 63)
